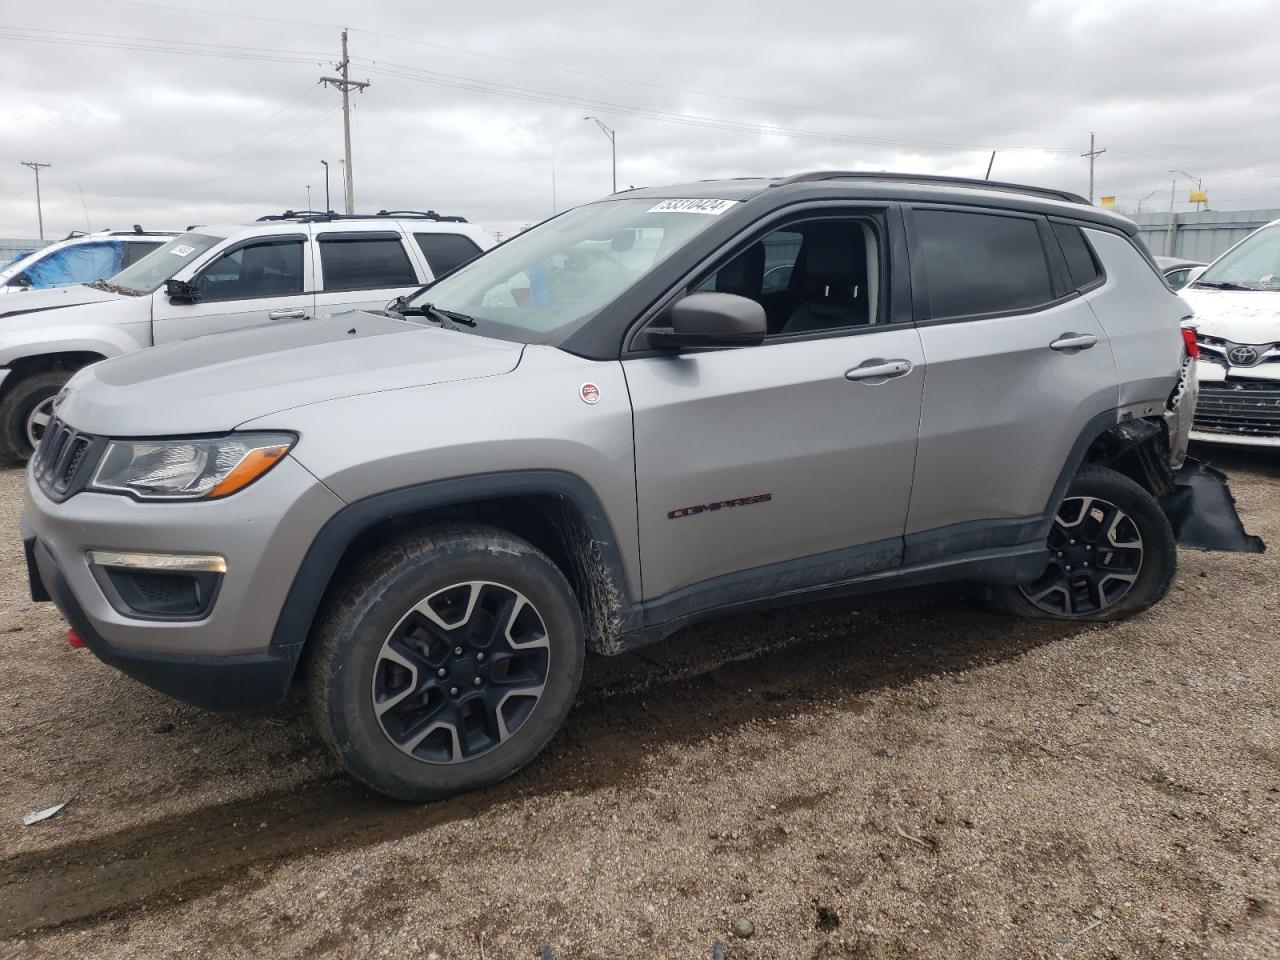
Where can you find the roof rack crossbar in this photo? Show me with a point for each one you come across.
(818, 175)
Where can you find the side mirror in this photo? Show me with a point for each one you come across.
(180, 291)
(713, 320)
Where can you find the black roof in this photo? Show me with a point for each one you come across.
(881, 185)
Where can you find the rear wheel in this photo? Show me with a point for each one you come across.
(447, 663)
(1111, 554)
(26, 411)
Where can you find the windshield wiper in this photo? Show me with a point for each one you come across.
(446, 318)
(1222, 285)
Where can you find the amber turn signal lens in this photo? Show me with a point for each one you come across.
(255, 464)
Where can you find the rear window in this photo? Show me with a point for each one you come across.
(446, 252)
(365, 262)
(979, 263)
(1080, 261)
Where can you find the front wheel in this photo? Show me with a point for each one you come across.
(26, 411)
(447, 663)
(1112, 554)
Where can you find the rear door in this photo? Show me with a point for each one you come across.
(1017, 367)
(362, 269)
(773, 467)
(264, 279)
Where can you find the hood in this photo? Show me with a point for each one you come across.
(53, 298)
(1242, 316)
(213, 384)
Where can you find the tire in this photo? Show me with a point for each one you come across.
(1134, 554)
(489, 610)
(17, 407)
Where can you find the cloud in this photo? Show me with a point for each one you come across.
(168, 116)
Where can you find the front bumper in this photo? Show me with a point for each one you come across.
(1240, 406)
(225, 660)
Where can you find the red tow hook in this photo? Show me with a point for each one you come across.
(74, 641)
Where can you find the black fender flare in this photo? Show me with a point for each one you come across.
(314, 574)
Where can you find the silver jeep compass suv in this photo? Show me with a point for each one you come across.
(667, 405)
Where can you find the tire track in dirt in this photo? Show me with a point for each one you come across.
(166, 861)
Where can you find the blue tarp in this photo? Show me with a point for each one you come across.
(82, 263)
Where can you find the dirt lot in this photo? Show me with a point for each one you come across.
(889, 777)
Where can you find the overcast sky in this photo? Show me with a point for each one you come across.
(166, 113)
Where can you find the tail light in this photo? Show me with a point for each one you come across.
(1189, 341)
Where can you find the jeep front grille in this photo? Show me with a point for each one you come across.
(1245, 407)
(63, 460)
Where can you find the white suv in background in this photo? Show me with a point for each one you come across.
(212, 279)
(79, 258)
(1237, 304)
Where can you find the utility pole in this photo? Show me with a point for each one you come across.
(346, 85)
(1093, 155)
(613, 146)
(37, 167)
(327, 208)
(1168, 240)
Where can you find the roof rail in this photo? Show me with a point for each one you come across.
(818, 175)
(316, 216)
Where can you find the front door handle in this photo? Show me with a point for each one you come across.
(1074, 341)
(286, 314)
(878, 370)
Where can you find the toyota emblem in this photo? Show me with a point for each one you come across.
(1242, 356)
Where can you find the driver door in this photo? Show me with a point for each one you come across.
(781, 466)
(258, 281)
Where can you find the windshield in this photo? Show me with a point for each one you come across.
(544, 284)
(1254, 265)
(150, 273)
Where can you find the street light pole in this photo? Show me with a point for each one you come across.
(613, 146)
(1173, 189)
(327, 208)
(1146, 198)
(39, 210)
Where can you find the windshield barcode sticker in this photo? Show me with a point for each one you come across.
(711, 207)
(183, 250)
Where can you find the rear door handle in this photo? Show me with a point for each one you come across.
(878, 370)
(1074, 341)
(286, 314)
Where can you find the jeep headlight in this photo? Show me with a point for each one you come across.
(190, 469)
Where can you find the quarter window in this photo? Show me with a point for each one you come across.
(1084, 269)
(272, 268)
(979, 263)
(445, 252)
(365, 262)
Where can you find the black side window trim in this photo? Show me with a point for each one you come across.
(1055, 263)
(275, 238)
(895, 293)
(1099, 266)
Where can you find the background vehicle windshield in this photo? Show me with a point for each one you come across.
(149, 273)
(544, 284)
(1255, 264)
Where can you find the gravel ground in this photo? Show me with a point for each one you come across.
(897, 776)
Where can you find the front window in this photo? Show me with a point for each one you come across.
(543, 285)
(150, 273)
(1253, 265)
